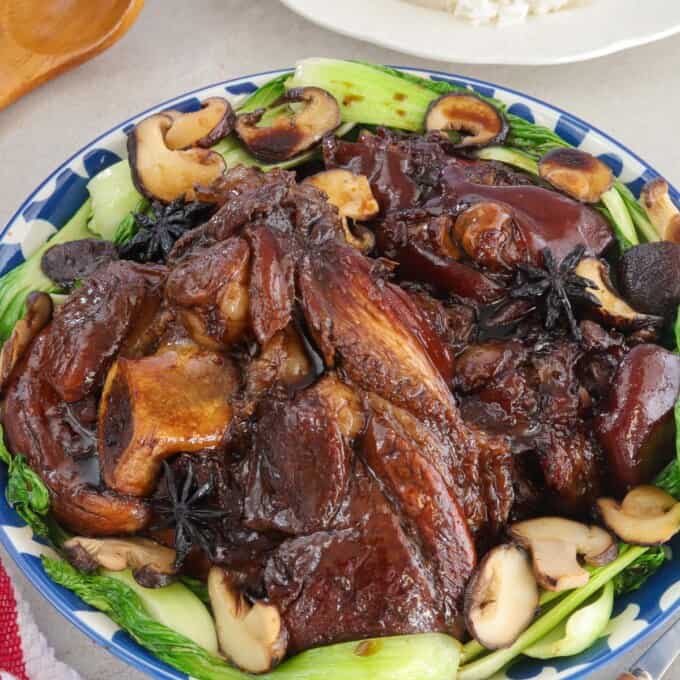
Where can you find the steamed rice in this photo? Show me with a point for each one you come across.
(502, 11)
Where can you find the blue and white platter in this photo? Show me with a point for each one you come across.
(63, 191)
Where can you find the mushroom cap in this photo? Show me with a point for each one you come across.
(649, 276)
(483, 123)
(287, 136)
(555, 544)
(577, 173)
(613, 310)
(351, 194)
(661, 210)
(152, 564)
(161, 173)
(646, 516)
(501, 598)
(205, 127)
(251, 636)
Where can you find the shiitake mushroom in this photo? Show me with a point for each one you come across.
(501, 598)
(205, 127)
(612, 310)
(646, 516)
(557, 543)
(577, 173)
(655, 199)
(352, 195)
(478, 122)
(649, 277)
(177, 400)
(488, 236)
(288, 136)
(152, 564)
(252, 636)
(162, 173)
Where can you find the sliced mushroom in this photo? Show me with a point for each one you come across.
(288, 136)
(175, 400)
(251, 636)
(501, 597)
(38, 315)
(612, 310)
(205, 127)
(163, 173)
(661, 210)
(577, 173)
(556, 543)
(152, 564)
(646, 516)
(351, 194)
(479, 123)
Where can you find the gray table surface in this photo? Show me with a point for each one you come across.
(177, 46)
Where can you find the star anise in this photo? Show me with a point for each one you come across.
(184, 509)
(158, 232)
(557, 285)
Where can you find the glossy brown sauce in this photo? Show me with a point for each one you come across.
(544, 217)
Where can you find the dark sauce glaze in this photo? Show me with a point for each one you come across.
(545, 218)
(317, 368)
(383, 520)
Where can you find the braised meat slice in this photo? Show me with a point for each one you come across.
(113, 307)
(604, 352)
(301, 461)
(476, 468)
(250, 197)
(54, 437)
(530, 392)
(272, 282)
(208, 290)
(362, 580)
(571, 461)
(417, 479)
(421, 242)
(375, 333)
(455, 324)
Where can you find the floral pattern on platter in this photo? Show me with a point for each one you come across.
(48, 208)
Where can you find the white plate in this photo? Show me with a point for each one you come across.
(598, 28)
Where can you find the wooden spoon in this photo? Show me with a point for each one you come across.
(39, 39)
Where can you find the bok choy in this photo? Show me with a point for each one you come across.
(426, 657)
